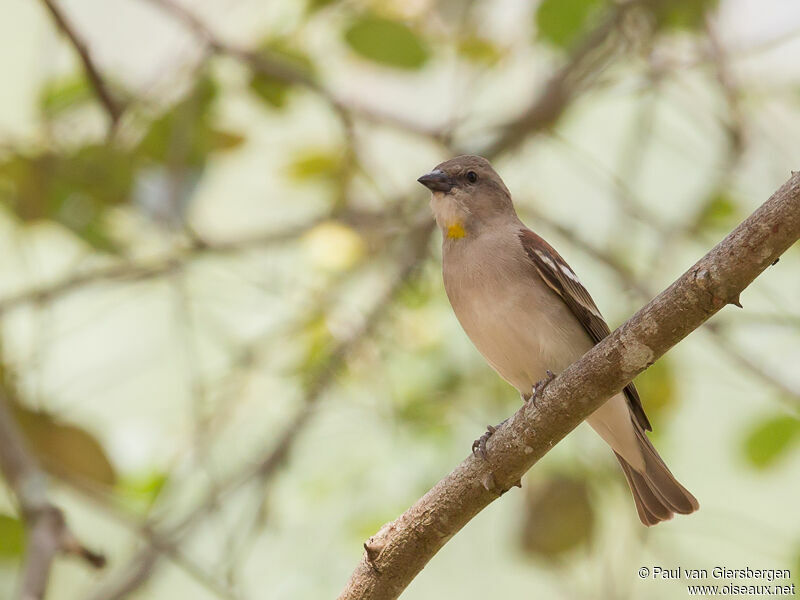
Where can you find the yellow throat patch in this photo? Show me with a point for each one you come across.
(456, 231)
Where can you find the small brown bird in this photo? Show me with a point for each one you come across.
(528, 314)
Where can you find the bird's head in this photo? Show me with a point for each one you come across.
(467, 195)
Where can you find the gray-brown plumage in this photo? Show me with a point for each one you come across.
(528, 313)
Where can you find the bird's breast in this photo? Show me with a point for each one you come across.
(514, 320)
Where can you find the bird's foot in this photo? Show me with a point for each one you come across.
(539, 386)
(479, 445)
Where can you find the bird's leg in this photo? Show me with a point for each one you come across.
(479, 445)
(539, 386)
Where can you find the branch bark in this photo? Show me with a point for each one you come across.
(47, 532)
(104, 95)
(400, 550)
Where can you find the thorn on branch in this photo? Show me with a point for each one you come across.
(375, 545)
(489, 484)
(371, 555)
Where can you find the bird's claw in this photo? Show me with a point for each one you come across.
(479, 445)
(539, 386)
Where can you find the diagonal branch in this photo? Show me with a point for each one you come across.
(402, 548)
(715, 333)
(47, 532)
(112, 107)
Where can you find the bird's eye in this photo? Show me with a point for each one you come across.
(472, 176)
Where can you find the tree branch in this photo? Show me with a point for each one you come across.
(112, 107)
(716, 333)
(402, 548)
(274, 66)
(47, 532)
(130, 271)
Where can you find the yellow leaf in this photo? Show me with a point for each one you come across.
(332, 246)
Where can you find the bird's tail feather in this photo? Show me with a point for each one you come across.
(656, 492)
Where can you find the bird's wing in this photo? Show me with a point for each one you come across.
(559, 277)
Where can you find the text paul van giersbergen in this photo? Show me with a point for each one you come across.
(720, 573)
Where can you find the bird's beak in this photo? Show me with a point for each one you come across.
(437, 181)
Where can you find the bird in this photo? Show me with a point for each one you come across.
(529, 315)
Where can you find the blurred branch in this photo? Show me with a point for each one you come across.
(197, 247)
(275, 67)
(263, 63)
(734, 124)
(586, 61)
(395, 555)
(727, 346)
(141, 566)
(112, 107)
(105, 500)
(47, 531)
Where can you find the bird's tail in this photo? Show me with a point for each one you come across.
(656, 492)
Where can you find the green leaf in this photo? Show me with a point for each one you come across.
(683, 14)
(366, 524)
(390, 43)
(770, 440)
(315, 5)
(59, 95)
(423, 402)
(319, 344)
(479, 50)
(718, 212)
(559, 517)
(75, 188)
(272, 90)
(141, 489)
(316, 163)
(222, 141)
(417, 292)
(12, 537)
(65, 448)
(561, 22)
(183, 136)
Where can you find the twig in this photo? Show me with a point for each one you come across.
(402, 548)
(586, 61)
(724, 344)
(167, 265)
(112, 107)
(47, 532)
(275, 67)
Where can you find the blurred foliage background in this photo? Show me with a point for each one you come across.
(224, 333)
